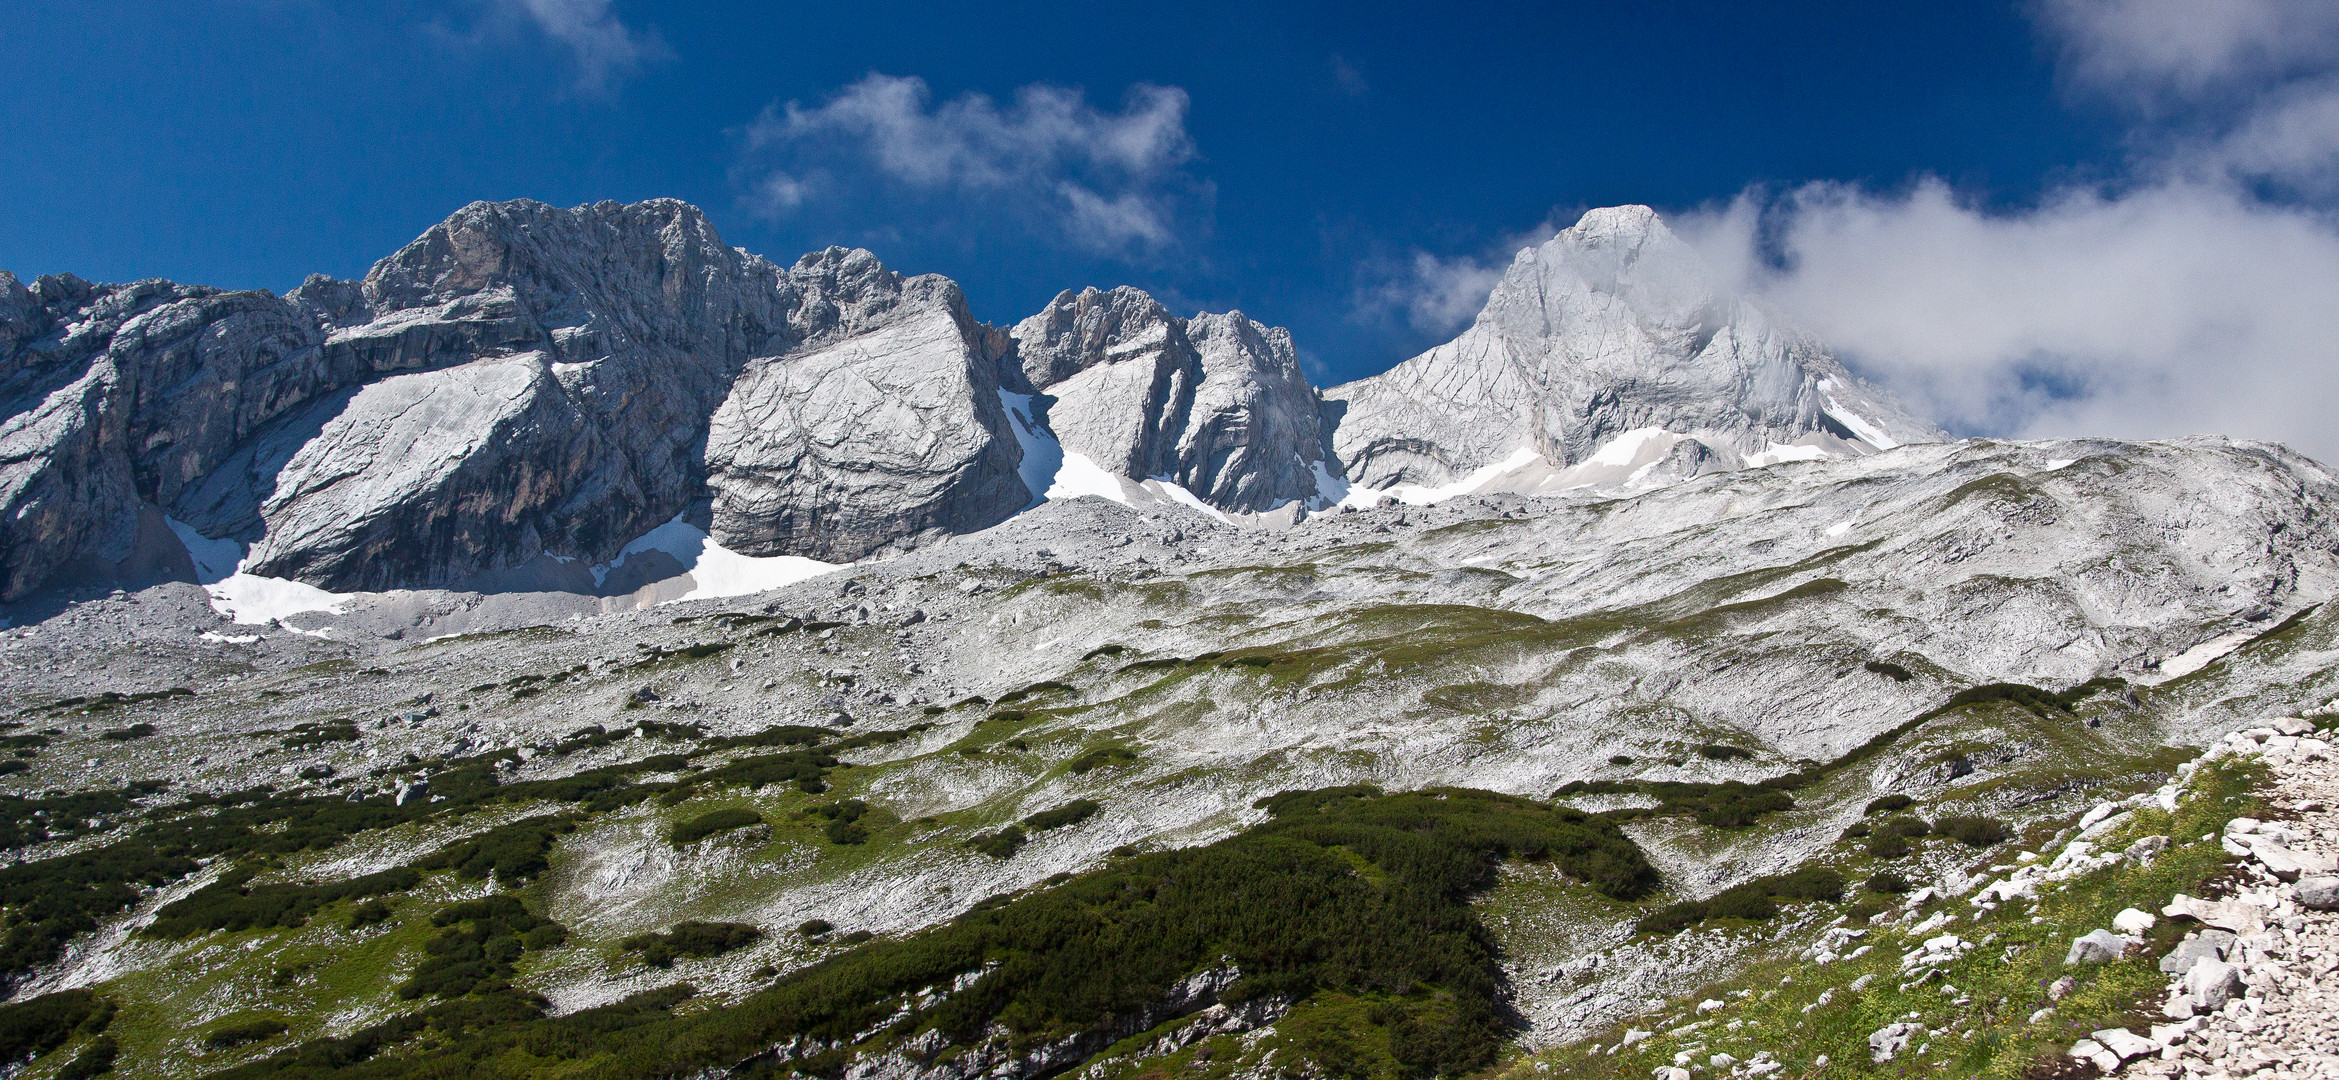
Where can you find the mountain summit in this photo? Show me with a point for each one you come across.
(1609, 355)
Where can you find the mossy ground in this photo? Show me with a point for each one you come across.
(1978, 1013)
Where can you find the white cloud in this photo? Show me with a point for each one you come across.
(1110, 180)
(2189, 296)
(2174, 310)
(1439, 295)
(2145, 48)
(606, 50)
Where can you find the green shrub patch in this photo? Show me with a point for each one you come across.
(1071, 813)
(693, 939)
(712, 822)
(1754, 900)
(232, 903)
(514, 853)
(477, 947)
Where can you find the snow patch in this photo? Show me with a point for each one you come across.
(1625, 449)
(716, 571)
(1043, 457)
(1416, 495)
(1177, 493)
(2202, 655)
(1780, 452)
(1867, 430)
(249, 599)
(1840, 528)
(1080, 476)
(227, 639)
(2057, 463)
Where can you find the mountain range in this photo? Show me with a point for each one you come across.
(524, 384)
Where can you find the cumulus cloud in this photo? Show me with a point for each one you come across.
(2187, 296)
(605, 49)
(1430, 293)
(1108, 180)
(1441, 294)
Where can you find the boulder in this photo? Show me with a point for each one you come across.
(2096, 947)
(1891, 1039)
(2319, 893)
(2132, 922)
(2212, 983)
(2208, 944)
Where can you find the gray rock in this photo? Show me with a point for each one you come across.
(1613, 325)
(2212, 983)
(519, 381)
(1891, 1039)
(2318, 893)
(1216, 403)
(2096, 947)
(2207, 945)
(882, 439)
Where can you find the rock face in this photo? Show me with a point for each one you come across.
(888, 436)
(1615, 326)
(521, 380)
(1215, 403)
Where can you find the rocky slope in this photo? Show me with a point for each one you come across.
(1613, 335)
(1215, 404)
(1172, 669)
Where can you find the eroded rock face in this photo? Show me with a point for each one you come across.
(880, 439)
(1216, 403)
(1613, 325)
(520, 380)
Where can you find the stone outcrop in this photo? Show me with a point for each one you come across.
(521, 380)
(1216, 403)
(1613, 326)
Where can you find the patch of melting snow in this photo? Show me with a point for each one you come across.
(1840, 528)
(716, 571)
(1782, 452)
(2202, 655)
(249, 599)
(228, 639)
(1416, 495)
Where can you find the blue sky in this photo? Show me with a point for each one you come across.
(1354, 172)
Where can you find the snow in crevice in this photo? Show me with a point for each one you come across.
(249, 599)
(716, 571)
(1044, 459)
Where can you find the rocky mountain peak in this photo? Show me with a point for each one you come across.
(1614, 328)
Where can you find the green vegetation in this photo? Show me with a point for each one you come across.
(1985, 1029)
(1071, 813)
(844, 821)
(244, 1033)
(999, 844)
(38, 1025)
(134, 731)
(1889, 670)
(693, 939)
(712, 822)
(1752, 901)
(476, 950)
(232, 903)
(1343, 896)
(514, 853)
(305, 736)
(1719, 752)
(1885, 804)
(1099, 758)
